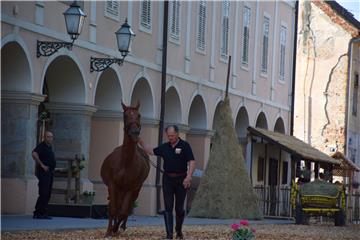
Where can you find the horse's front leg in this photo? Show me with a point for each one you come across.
(123, 225)
(112, 212)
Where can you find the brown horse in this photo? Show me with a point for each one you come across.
(124, 171)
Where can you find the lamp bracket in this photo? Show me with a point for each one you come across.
(49, 48)
(101, 64)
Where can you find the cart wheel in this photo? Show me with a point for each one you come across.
(340, 218)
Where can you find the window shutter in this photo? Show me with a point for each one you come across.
(112, 9)
(264, 58)
(201, 26)
(175, 19)
(146, 14)
(225, 28)
(283, 32)
(246, 35)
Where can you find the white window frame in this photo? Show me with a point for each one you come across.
(175, 37)
(266, 34)
(142, 27)
(225, 15)
(282, 57)
(199, 50)
(246, 23)
(112, 16)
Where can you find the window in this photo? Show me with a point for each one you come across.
(284, 173)
(225, 29)
(145, 15)
(355, 94)
(174, 26)
(283, 32)
(112, 9)
(260, 169)
(200, 43)
(265, 45)
(246, 35)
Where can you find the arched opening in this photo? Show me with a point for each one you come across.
(241, 125)
(197, 114)
(108, 94)
(261, 121)
(15, 69)
(279, 126)
(173, 113)
(64, 82)
(142, 93)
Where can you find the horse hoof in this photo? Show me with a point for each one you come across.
(108, 235)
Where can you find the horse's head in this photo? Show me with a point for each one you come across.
(132, 125)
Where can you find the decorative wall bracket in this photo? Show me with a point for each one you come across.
(101, 64)
(49, 48)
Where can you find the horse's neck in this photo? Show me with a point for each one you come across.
(128, 150)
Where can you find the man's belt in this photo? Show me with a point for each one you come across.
(175, 174)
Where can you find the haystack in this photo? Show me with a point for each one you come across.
(225, 190)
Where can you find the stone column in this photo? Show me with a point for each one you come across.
(106, 134)
(18, 139)
(147, 197)
(70, 124)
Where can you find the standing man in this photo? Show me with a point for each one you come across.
(44, 157)
(177, 155)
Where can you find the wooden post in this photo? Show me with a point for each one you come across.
(227, 78)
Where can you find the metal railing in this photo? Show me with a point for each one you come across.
(274, 201)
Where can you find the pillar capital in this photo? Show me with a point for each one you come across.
(70, 108)
(17, 97)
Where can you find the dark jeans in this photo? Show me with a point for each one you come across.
(45, 186)
(173, 187)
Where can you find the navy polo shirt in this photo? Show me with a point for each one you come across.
(46, 155)
(175, 158)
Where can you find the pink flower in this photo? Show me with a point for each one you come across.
(253, 230)
(235, 226)
(244, 222)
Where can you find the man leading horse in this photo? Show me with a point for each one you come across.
(179, 166)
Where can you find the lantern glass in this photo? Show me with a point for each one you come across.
(74, 19)
(124, 37)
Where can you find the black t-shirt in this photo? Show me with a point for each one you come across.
(46, 155)
(175, 158)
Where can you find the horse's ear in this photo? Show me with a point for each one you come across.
(137, 105)
(123, 106)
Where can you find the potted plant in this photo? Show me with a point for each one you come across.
(242, 231)
(87, 197)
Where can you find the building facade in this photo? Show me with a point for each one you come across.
(85, 107)
(327, 79)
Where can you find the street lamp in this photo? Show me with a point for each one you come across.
(74, 19)
(124, 37)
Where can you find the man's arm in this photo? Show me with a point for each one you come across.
(35, 156)
(148, 149)
(187, 180)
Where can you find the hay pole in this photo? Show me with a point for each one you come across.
(227, 78)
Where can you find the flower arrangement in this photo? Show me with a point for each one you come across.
(242, 231)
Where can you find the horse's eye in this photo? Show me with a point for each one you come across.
(139, 115)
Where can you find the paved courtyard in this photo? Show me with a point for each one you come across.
(139, 227)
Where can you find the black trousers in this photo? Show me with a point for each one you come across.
(173, 188)
(45, 185)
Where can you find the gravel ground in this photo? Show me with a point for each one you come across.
(269, 232)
